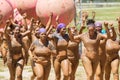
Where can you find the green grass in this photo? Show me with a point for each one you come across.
(2, 77)
(1, 70)
(106, 13)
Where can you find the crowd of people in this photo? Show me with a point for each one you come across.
(47, 45)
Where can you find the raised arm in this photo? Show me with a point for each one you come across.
(82, 24)
(6, 33)
(29, 31)
(24, 21)
(57, 20)
(49, 21)
(118, 19)
(38, 22)
(113, 35)
(72, 37)
(93, 15)
(50, 29)
(85, 13)
(81, 29)
(107, 30)
(12, 21)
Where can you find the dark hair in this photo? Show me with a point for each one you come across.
(12, 27)
(90, 21)
(43, 26)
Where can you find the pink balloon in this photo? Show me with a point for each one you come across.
(5, 12)
(23, 6)
(64, 8)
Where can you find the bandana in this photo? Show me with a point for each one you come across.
(60, 26)
(41, 30)
(98, 24)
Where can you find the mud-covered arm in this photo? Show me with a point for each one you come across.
(4, 46)
(74, 38)
(51, 36)
(49, 30)
(78, 37)
(30, 51)
(81, 29)
(38, 22)
(4, 52)
(24, 55)
(114, 34)
(6, 33)
(12, 21)
(103, 36)
(118, 19)
(29, 31)
(24, 21)
(85, 14)
(93, 15)
(49, 22)
(82, 24)
(107, 30)
(57, 20)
